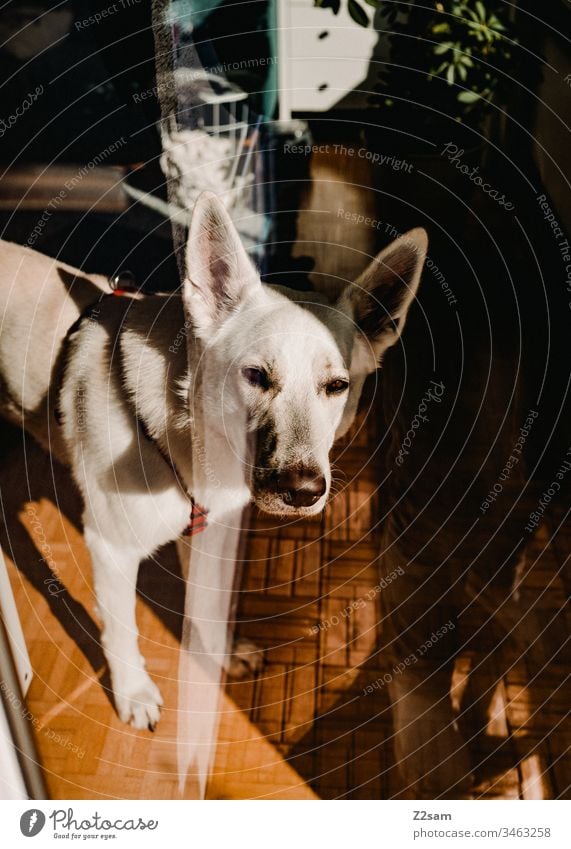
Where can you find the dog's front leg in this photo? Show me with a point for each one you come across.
(420, 634)
(137, 698)
(430, 752)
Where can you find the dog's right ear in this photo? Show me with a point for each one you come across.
(219, 274)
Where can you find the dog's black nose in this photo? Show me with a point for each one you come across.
(300, 487)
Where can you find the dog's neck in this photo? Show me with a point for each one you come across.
(156, 379)
(159, 386)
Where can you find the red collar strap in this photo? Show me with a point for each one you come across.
(198, 520)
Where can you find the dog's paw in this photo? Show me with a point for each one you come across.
(246, 659)
(139, 702)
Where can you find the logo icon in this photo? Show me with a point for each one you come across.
(32, 822)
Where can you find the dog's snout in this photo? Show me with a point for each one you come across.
(300, 487)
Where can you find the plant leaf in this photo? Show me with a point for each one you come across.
(496, 24)
(334, 5)
(468, 96)
(358, 13)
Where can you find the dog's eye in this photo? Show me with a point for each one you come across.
(256, 377)
(335, 387)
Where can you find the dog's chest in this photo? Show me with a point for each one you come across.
(159, 518)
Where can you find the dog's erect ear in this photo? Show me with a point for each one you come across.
(219, 274)
(381, 297)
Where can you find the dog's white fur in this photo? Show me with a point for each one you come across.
(121, 366)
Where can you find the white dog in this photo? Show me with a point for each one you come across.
(104, 383)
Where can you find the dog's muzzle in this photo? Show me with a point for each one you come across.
(296, 487)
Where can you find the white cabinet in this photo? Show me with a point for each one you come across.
(321, 56)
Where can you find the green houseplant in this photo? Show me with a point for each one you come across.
(445, 59)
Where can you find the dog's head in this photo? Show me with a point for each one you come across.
(290, 365)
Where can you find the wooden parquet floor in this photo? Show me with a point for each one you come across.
(299, 728)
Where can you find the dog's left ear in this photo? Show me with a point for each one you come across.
(219, 274)
(382, 295)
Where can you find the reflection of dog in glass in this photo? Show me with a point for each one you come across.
(104, 383)
(456, 503)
